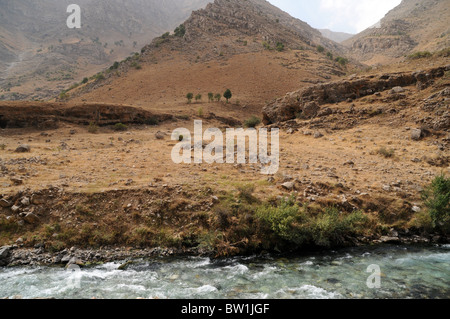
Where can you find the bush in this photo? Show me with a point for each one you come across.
(115, 66)
(227, 95)
(210, 97)
(63, 95)
(152, 121)
(296, 225)
(198, 97)
(266, 45)
(437, 197)
(387, 153)
(252, 122)
(85, 80)
(218, 96)
(330, 55)
(2, 147)
(93, 128)
(280, 47)
(419, 55)
(341, 60)
(180, 31)
(200, 112)
(189, 97)
(99, 76)
(120, 127)
(320, 49)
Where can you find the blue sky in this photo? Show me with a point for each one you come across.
(350, 16)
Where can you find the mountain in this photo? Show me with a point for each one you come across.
(40, 55)
(250, 46)
(412, 26)
(336, 36)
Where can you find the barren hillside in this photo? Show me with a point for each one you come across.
(412, 26)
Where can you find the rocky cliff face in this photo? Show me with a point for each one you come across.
(412, 26)
(306, 103)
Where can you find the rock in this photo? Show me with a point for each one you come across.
(15, 209)
(350, 163)
(16, 181)
(65, 259)
(160, 135)
(73, 132)
(318, 134)
(386, 188)
(19, 241)
(397, 89)
(289, 186)
(31, 218)
(416, 134)
(37, 199)
(25, 201)
(24, 148)
(4, 253)
(4, 203)
(416, 209)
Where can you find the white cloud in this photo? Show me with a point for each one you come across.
(357, 14)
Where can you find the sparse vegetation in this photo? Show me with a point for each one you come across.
(320, 49)
(180, 31)
(387, 153)
(437, 201)
(210, 97)
(252, 122)
(200, 112)
(342, 61)
(280, 47)
(198, 97)
(120, 127)
(93, 128)
(419, 55)
(218, 97)
(2, 147)
(85, 80)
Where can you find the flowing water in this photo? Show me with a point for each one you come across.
(406, 272)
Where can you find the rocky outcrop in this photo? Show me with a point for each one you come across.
(306, 102)
(47, 115)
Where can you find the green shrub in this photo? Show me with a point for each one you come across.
(320, 49)
(115, 66)
(210, 97)
(217, 97)
(341, 60)
(180, 31)
(419, 55)
(99, 76)
(297, 225)
(189, 97)
(200, 112)
(280, 47)
(198, 97)
(2, 147)
(152, 121)
(85, 80)
(437, 197)
(63, 95)
(266, 45)
(330, 55)
(252, 122)
(120, 127)
(227, 95)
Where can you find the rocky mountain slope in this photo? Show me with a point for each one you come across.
(336, 36)
(412, 26)
(251, 47)
(39, 55)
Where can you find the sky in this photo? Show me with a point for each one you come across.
(351, 16)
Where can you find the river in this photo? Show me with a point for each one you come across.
(406, 272)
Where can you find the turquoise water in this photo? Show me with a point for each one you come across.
(406, 272)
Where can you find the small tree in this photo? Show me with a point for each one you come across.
(189, 97)
(320, 49)
(85, 80)
(280, 47)
(218, 97)
(180, 31)
(210, 97)
(227, 95)
(198, 97)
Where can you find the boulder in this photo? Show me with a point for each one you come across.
(4, 203)
(288, 186)
(416, 134)
(24, 148)
(31, 218)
